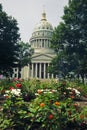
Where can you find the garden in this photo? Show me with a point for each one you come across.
(42, 105)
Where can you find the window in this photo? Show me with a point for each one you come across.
(15, 75)
(42, 43)
(16, 70)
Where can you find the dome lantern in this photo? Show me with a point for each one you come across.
(43, 16)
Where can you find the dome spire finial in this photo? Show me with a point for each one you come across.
(43, 14)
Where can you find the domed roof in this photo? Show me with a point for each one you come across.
(43, 24)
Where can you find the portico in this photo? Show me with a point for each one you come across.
(39, 70)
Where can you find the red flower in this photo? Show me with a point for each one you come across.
(50, 117)
(19, 85)
(11, 88)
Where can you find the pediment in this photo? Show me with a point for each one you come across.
(42, 57)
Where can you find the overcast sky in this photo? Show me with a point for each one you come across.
(28, 13)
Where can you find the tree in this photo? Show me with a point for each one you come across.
(24, 57)
(9, 38)
(70, 37)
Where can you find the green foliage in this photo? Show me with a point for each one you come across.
(9, 37)
(6, 83)
(70, 40)
(15, 111)
(25, 53)
(24, 56)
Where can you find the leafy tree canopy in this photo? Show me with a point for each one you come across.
(25, 53)
(9, 38)
(70, 38)
(24, 56)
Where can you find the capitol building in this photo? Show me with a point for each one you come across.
(40, 41)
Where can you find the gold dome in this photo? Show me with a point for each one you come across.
(43, 24)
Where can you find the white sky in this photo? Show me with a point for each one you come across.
(28, 13)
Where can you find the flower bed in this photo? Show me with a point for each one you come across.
(34, 105)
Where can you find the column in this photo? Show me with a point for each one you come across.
(44, 70)
(48, 73)
(36, 70)
(52, 76)
(45, 43)
(40, 70)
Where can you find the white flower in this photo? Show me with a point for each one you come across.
(76, 92)
(16, 92)
(5, 95)
(7, 91)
